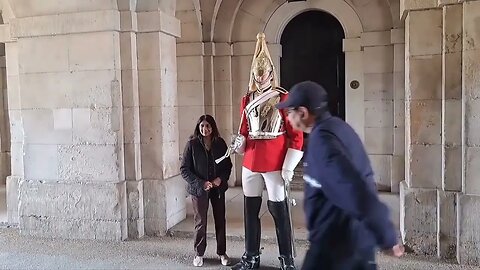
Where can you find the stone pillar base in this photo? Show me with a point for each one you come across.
(135, 209)
(12, 199)
(418, 219)
(165, 205)
(92, 210)
(440, 223)
(4, 167)
(468, 230)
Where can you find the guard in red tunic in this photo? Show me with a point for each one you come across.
(272, 149)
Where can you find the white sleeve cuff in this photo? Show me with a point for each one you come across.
(292, 158)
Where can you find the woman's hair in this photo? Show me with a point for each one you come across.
(211, 121)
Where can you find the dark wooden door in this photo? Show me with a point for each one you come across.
(312, 50)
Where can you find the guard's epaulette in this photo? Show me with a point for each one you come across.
(281, 90)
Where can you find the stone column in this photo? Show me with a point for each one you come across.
(16, 130)
(441, 197)
(131, 121)
(4, 126)
(164, 189)
(190, 88)
(451, 130)
(69, 123)
(222, 94)
(190, 69)
(354, 98)
(208, 78)
(378, 65)
(241, 65)
(423, 71)
(398, 159)
(469, 201)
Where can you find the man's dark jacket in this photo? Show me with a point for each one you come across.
(194, 168)
(343, 211)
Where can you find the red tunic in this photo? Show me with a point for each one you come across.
(268, 155)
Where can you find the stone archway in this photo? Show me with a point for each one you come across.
(350, 21)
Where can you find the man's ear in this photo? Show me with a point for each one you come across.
(303, 112)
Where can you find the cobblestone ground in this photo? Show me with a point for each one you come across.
(19, 252)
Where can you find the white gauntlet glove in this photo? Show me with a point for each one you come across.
(238, 144)
(292, 158)
(287, 175)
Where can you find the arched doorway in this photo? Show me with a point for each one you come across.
(312, 49)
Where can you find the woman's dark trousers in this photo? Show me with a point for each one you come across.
(200, 210)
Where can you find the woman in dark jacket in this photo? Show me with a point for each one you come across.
(207, 181)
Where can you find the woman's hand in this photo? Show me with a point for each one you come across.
(207, 185)
(216, 182)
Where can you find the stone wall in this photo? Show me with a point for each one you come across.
(442, 132)
(92, 99)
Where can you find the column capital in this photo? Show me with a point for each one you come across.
(408, 5)
(442, 3)
(397, 36)
(218, 49)
(158, 21)
(6, 34)
(352, 44)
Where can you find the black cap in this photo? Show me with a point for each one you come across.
(308, 94)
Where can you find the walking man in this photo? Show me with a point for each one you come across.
(345, 218)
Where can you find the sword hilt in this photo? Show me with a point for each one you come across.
(293, 202)
(234, 145)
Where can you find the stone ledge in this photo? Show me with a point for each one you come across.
(190, 49)
(378, 38)
(245, 48)
(62, 24)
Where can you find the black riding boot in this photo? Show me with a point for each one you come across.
(279, 211)
(251, 257)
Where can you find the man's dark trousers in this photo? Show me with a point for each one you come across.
(320, 258)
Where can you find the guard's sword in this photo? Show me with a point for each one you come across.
(290, 202)
(226, 155)
(235, 144)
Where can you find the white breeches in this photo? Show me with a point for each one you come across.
(253, 183)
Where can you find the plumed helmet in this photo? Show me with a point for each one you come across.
(262, 63)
